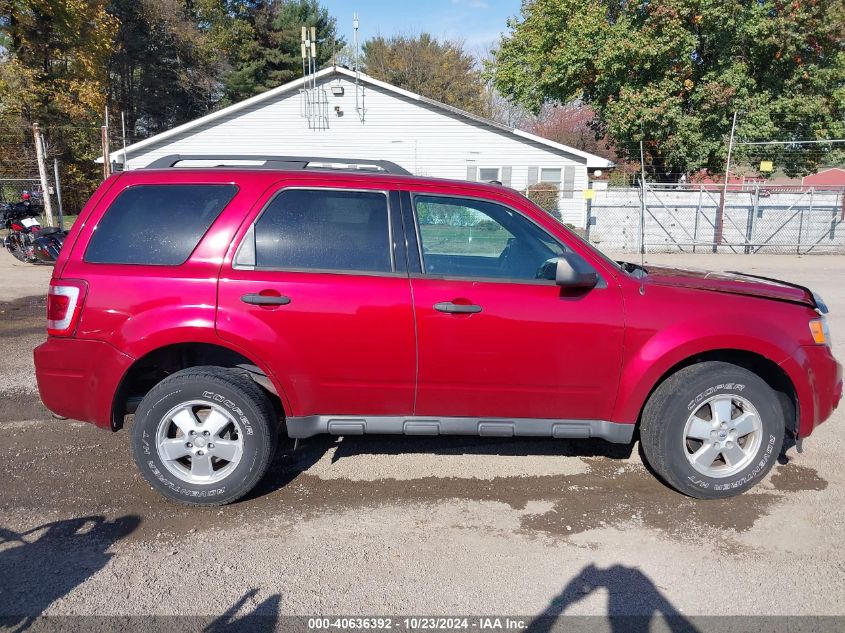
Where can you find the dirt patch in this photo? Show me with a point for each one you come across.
(22, 405)
(48, 466)
(794, 478)
(23, 309)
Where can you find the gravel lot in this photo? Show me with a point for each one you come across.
(404, 526)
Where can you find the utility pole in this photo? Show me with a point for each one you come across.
(40, 155)
(123, 131)
(720, 216)
(104, 137)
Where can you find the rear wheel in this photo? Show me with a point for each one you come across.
(712, 430)
(204, 436)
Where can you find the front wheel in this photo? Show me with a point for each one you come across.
(712, 430)
(204, 436)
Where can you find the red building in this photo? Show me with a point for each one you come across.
(833, 177)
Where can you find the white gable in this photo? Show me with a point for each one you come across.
(424, 137)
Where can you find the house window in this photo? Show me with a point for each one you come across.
(550, 175)
(563, 179)
(486, 174)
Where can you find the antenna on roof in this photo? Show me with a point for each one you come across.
(315, 103)
(359, 89)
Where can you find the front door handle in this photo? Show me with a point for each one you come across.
(456, 308)
(256, 299)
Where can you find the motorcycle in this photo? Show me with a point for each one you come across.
(48, 244)
(26, 239)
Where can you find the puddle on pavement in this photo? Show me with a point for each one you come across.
(611, 493)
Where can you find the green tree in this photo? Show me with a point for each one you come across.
(546, 196)
(672, 72)
(167, 60)
(442, 71)
(54, 71)
(272, 56)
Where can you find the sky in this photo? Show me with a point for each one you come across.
(478, 23)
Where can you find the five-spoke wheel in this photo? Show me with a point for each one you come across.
(199, 442)
(722, 435)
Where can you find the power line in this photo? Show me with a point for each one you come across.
(824, 141)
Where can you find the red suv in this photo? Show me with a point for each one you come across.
(220, 304)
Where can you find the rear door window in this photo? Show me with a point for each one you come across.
(158, 225)
(321, 229)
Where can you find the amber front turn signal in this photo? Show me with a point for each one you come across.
(818, 328)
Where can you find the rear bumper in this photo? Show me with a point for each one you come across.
(817, 377)
(78, 378)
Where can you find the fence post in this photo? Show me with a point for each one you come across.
(643, 190)
(697, 213)
(42, 172)
(801, 220)
(749, 227)
(589, 218)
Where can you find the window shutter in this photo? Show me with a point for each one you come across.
(533, 175)
(507, 173)
(472, 172)
(568, 185)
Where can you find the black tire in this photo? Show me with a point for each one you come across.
(664, 420)
(228, 389)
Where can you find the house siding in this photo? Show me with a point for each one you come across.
(423, 138)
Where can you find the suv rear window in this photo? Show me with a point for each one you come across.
(334, 230)
(158, 225)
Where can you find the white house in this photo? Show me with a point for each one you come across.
(339, 113)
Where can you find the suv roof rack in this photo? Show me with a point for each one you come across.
(282, 162)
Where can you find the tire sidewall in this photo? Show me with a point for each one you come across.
(165, 398)
(680, 407)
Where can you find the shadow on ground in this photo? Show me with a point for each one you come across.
(633, 603)
(45, 563)
(263, 618)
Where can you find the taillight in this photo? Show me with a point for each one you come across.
(64, 305)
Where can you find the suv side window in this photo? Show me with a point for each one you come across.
(465, 237)
(157, 225)
(323, 229)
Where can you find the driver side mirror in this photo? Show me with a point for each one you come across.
(573, 272)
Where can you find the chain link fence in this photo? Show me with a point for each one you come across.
(753, 218)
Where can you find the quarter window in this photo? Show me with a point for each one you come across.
(323, 230)
(158, 225)
(464, 237)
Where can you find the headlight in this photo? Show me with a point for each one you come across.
(820, 304)
(820, 331)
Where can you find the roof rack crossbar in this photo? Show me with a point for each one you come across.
(279, 162)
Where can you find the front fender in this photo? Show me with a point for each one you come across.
(651, 354)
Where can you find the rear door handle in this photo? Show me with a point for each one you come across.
(256, 299)
(456, 308)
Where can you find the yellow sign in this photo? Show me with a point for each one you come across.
(589, 194)
(766, 165)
